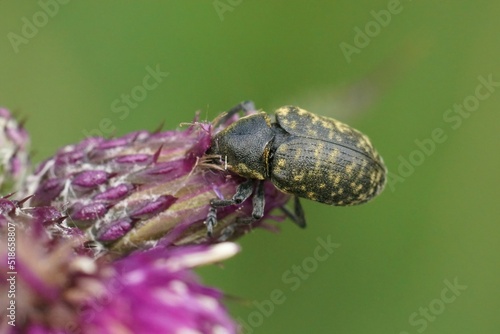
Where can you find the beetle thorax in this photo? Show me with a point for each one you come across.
(245, 145)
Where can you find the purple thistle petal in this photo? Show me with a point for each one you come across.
(59, 291)
(163, 295)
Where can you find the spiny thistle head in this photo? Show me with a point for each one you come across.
(141, 200)
(144, 189)
(14, 160)
(58, 290)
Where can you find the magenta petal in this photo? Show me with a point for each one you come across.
(164, 298)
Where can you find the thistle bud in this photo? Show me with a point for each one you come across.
(145, 189)
(14, 161)
(47, 287)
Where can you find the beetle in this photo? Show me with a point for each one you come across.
(303, 154)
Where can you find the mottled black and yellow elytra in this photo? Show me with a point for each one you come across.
(324, 160)
(303, 154)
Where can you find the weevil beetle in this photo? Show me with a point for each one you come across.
(303, 154)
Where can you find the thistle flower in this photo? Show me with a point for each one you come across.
(141, 200)
(144, 189)
(52, 289)
(14, 161)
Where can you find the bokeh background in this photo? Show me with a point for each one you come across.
(435, 225)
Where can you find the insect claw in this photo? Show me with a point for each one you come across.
(211, 221)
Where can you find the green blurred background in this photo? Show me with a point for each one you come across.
(434, 224)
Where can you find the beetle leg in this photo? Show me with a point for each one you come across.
(243, 192)
(245, 106)
(226, 233)
(258, 202)
(298, 216)
(211, 220)
(299, 212)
